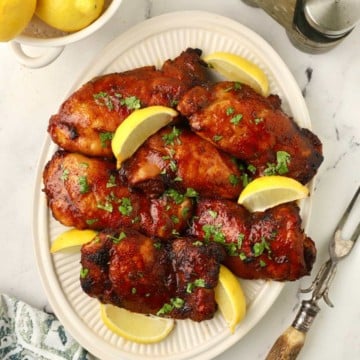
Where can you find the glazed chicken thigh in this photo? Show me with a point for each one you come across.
(86, 193)
(252, 128)
(86, 121)
(173, 279)
(260, 245)
(178, 158)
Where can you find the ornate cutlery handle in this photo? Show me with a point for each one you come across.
(289, 344)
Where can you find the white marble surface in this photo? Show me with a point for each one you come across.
(28, 97)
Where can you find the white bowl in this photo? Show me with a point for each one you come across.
(38, 34)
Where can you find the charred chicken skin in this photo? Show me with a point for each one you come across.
(179, 158)
(172, 279)
(86, 121)
(86, 193)
(252, 128)
(263, 245)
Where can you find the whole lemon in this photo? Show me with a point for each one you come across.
(14, 16)
(69, 15)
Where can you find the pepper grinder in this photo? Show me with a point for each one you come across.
(313, 26)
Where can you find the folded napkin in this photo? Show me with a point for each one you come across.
(30, 334)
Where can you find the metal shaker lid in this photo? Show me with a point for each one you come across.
(332, 18)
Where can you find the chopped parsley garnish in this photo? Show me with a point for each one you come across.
(65, 175)
(157, 245)
(84, 273)
(131, 102)
(234, 179)
(190, 192)
(106, 207)
(258, 121)
(125, 207)
(105, 137)
(111, 181)
(251, 168)
(117, 239)
(260, 247)
(213, 232)
(230, 110)
(236, 119)
(102, 98)
(192, 285)
(83, 183)
(91, 221)
(213, 214)
(175, 303)
(283, 159)
(170, 138)
(217, 138)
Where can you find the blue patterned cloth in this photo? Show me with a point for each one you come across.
(30, 334)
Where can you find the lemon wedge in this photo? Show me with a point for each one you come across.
(69, 15)
(268, 191)
(230, 298)
(14, 16)
(236, 68)
(137, 127)
(136, 327)
(72, 237)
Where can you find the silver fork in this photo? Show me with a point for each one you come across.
(289, 344)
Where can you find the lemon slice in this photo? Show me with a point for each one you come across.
(230, 298)
(268, 191)
(137, 127)
(236, 68)
(14, 16)
(136, 327)
(70, 238)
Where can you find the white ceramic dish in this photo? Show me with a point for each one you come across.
(152, 42)
(38, 34)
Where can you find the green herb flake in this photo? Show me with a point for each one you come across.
(105, 137)
(107, 206)
(283, 159)
(175, 303)
(131, 102)
(111, 181)
(234, 179)
(133, 290)
(230, 110)
(83, 183)
(258, 121)
(198, 243)
(213, 214)
(236, 119)
(125, 207)
(170, 138)
(213, 232)
(217, 138)
(65, 175)
(262, 263)
(84, 273)
(251, 168)
(190, 192)
(192, 285)
(157, 245)
(177, 197)
(242, 256)
(91, 221)
(117, 239)
(102, 98)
